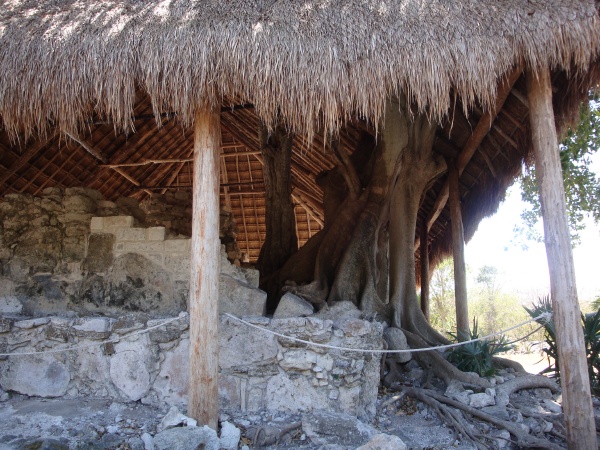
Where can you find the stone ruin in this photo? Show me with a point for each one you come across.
(77, 271)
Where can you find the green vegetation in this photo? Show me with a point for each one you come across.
(477, 356)
(582, 186)
(591, 334)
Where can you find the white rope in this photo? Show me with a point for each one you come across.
(95, 344)
(544, 316)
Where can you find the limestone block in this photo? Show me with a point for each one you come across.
(156, 233)
(92, 368)
(118, 221)
(128, 202)
(178, 264)
(178, 246)
(99, 256)
(298, 359)
(240, 299)
(326, 427)
(339, 310)
(144, 247)
(240, 346)
(174, 418)
(230, 436)
(291, 305)
(353, 327)
(171, 384)
(79, 203)
(230, 395)
(37, 375)
(93, 327)
(129, 367)
(396, 340)
(131, 234)
(384, 442)
(294, 395)
(31, 323)
(187, 438)
(9, 304)
(481, 400)
(91, 193)
(49, 191)
(97, 224)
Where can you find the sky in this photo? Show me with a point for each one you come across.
(525, 272)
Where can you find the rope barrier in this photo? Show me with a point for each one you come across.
(544, 317)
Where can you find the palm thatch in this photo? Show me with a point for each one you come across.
(313, 64)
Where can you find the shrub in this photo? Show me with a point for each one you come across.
(591, 335)
(477, 356)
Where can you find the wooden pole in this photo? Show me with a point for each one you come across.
(203, 402)
(424, 269)
(577, 403)
(458, 252)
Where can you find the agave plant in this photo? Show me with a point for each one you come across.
(477, 356)
(591, 335)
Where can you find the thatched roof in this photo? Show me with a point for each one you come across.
(108, 71)
(65, 61)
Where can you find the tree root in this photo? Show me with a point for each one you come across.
(439, 402)
(504, 390)
(268, 435)
(509, 363)
(444, 370)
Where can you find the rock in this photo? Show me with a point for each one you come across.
(230, 436)
(298, 359)
(239, 298)
(384, 442)
(37, 375)
(93, 327)
(497, 411)
(481, 400)
(148, 441)
(128, 370)
(241, 346)
(175, 419)
(188, 438)
(31, 323)
(502, 438)
(293, 394)
(325, 427)
(551, 406)
(339, 310)
(291, 305)
(396, 340)
(10, 305)
(46, 444)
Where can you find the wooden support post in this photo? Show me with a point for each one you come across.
(424, 269)
(577, 403)
(458, 252)
(203, 402)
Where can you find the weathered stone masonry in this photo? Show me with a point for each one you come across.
(257, 370)
(77, 270)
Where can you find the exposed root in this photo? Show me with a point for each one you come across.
(504, 390)
(509, 364)
(461, 425)
(441, 368)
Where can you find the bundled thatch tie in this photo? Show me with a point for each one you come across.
(543, 318)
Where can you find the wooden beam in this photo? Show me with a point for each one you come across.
(149, 161)
(100, 156)
(458, 253)
(574, 379)
(479, 133)
(203, 401)
(24, 159)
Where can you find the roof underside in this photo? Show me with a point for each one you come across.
(84, 84)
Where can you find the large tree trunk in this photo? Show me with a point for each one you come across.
(281, 241)
(365, 253)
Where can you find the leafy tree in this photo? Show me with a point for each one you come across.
(441, 291)
(582, 186)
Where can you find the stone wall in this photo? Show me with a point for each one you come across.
(73, 251)
(258, 371)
